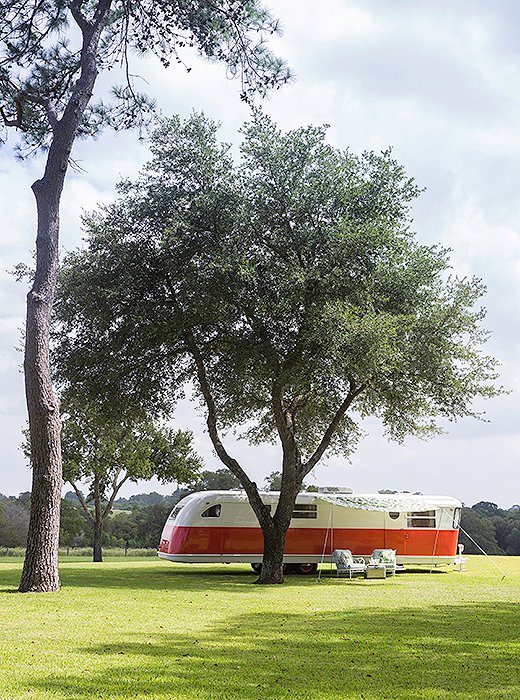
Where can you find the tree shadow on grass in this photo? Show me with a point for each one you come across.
(158, 578)
(198, 577)
(171, 578)
(10, 579)
(167, 577)
(467, 651)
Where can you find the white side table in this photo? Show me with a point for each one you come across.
(375, 571)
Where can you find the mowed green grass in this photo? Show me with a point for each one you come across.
(154, 630)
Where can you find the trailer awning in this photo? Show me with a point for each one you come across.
(389, 503)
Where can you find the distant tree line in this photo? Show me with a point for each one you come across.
(496, 530)
(137, 521)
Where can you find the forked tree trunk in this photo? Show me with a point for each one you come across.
(275, 530)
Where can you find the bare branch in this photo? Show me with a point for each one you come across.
(115, 490)
(83, 503)
(329, 433)
(79, 17)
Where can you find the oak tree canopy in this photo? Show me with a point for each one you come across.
(288, 288)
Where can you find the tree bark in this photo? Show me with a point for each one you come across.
(98, 541)
(40, 570)
(275, 529)
(97, 545)
(272, 562)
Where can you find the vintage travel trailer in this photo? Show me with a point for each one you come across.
(220, 526)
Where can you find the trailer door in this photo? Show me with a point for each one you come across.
(395, 532)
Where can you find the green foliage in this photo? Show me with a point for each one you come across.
(273, 482)
(148, 524)
(14, 522)
(295, 269)
(487, 508)
(496, 530)
(105, 453)
(218, 480)
(109, 452)
(16, 552)
(41, 62)
(72, 524)
(141, 500)
(481, 529)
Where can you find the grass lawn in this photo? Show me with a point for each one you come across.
(148, 629)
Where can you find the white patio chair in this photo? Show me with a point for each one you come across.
(347, 564)
(386, 558)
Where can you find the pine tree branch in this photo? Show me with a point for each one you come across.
(79, 17)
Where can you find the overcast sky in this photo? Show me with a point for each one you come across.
(437, 80)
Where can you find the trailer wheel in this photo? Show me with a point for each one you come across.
(257, 568)
(306, 569)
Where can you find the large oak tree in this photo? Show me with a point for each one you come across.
(288, 288)
(51, 52)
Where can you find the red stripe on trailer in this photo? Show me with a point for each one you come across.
(361, 541)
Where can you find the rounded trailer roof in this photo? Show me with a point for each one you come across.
(241, 496)
(398, 502)
(395, 502)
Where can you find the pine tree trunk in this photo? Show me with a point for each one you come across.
(40, 571)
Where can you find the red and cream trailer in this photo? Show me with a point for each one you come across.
(220, 526)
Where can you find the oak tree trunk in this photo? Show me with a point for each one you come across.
(272, 562)
(275, 530)
(97, 554)
(98, 542)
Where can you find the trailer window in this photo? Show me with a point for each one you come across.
(456, 518)
(305, 510)
(175, 512)
(212, 512)
(426, 518)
